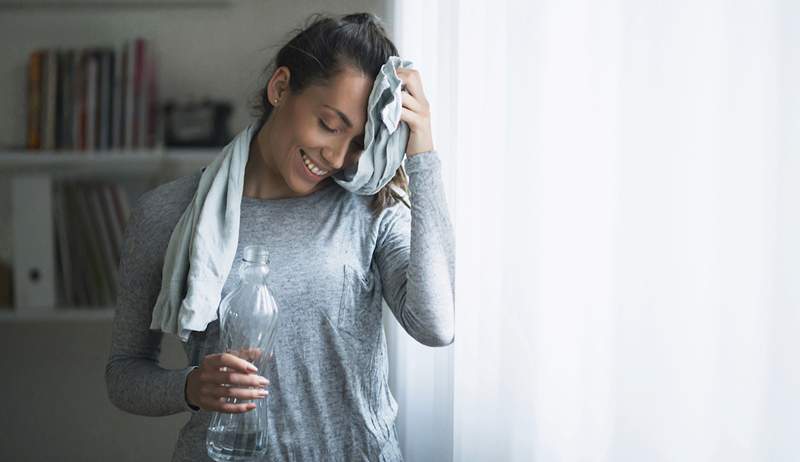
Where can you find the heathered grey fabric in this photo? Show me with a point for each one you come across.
(331, 263)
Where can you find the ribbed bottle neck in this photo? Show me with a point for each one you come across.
(256, 254)
(255, 264)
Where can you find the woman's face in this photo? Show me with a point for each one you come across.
(318, 132)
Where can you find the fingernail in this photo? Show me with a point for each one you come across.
(252, 368)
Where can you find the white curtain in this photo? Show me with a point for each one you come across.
(624, 178)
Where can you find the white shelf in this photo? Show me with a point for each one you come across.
(58, 314)
(116, 162)
(31, 174)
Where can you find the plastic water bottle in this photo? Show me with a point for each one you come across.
(248, 323)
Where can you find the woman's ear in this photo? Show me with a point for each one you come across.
(278, 85)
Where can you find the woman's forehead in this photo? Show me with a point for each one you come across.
(347, 96)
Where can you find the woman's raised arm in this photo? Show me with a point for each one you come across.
(415, 254)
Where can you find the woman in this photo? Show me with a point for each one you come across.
(333, 256)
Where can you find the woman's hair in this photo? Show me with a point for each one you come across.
(321, 49)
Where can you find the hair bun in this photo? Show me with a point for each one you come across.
(360, 18)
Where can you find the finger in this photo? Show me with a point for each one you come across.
(231, 408)
(236, 379)
(210, 403)
(239, 393)
(215, 391)
(232, 361)
(410, 102)
(250, 354)
(412, 81)
(410, 117)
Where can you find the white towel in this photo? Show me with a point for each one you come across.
(203, 243)
(385, 136)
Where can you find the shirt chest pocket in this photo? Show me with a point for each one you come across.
(359, 311)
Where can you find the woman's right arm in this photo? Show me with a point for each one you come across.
(135, 381)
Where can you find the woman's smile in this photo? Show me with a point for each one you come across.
(310, 169)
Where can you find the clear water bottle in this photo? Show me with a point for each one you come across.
(248, 324)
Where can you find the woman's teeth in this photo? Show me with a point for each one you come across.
(316, 170)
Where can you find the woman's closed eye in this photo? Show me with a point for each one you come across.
(358, 144)
(322, 124)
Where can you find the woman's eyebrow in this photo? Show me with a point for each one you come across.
(344, 118)
(341, 115)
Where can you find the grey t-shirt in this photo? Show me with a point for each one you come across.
(332, 261)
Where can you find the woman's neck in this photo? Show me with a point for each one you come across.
(262, 179)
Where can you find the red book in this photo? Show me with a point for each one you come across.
(34, 99)
(152, 99)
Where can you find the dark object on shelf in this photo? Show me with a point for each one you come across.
(196, 124)
(5, 283)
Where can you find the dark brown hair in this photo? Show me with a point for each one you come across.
(317, 52)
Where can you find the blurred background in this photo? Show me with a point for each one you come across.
(623, 178)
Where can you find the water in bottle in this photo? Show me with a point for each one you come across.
(248, 323)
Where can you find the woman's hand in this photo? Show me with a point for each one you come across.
(206, 385)
(416, 112)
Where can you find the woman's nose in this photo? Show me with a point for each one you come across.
(336, 157)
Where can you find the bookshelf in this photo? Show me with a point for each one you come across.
(97, 127)
(32, 176)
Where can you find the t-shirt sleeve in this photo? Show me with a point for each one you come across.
(415, 255)
(135, 381)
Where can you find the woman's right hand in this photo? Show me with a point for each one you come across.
(206, 385)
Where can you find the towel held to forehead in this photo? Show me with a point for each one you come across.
(203, 243)
(385, 136)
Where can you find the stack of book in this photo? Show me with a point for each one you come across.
(90, 219)
(95, 98)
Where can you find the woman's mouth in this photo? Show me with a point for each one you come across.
(311, 168)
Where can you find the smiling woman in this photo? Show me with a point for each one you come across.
(335, 256)
(312, 109)
(307, 137)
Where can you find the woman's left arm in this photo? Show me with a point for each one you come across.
(415, 251)
(415, 256)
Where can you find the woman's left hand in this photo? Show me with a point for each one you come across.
(416, 112)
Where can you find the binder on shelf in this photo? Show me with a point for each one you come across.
(34, 269)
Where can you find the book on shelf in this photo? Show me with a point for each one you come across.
(90, 218)
(93, 99)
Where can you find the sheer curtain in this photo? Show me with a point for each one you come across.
(624, 178)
